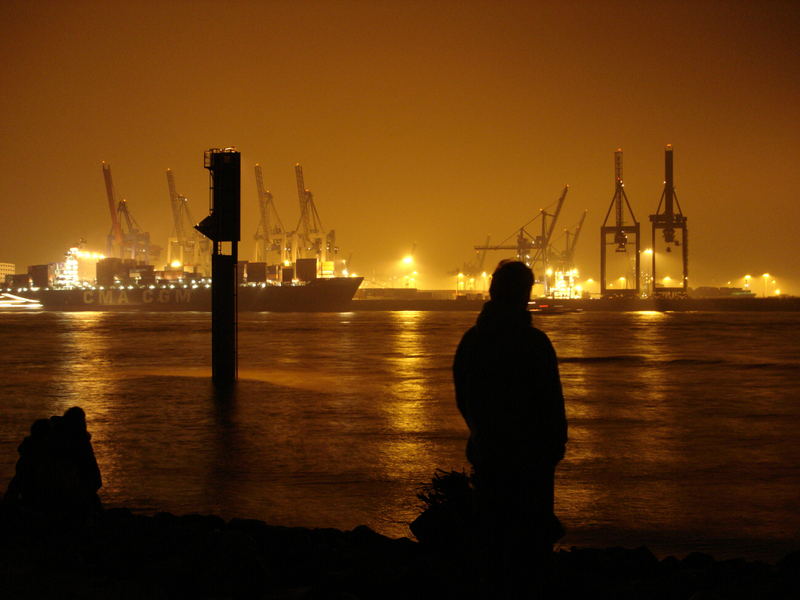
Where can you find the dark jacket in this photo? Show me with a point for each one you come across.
(509, 392)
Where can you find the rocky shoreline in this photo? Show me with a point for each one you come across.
(118, 554)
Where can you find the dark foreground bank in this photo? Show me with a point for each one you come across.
(118, 554)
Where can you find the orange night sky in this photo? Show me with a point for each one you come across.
(433, 123)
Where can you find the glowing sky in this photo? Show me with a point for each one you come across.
(433, 123)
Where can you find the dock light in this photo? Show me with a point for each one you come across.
(176, 264)
(667, 279)
(648, 251)
(407, 260)
(777, 292)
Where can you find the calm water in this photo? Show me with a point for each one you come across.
(684, 427)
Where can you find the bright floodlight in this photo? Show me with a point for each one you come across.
(408, 259)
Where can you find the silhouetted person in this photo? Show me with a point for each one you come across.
(509, 393)
(57, 472)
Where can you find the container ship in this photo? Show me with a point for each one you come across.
(293, 271)
(319, 295)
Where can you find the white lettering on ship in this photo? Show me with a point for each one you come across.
(117, 297)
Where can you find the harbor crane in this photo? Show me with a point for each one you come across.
(565, 259)
(114, 240)
(534, 250)
(669, 219)
(186, 247)
(309, 234)
(270, 235)
(126, 240)
(617, 235)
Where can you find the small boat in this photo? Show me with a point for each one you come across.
(17, 303)
(547, 308)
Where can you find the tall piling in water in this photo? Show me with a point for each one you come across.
(222, 226)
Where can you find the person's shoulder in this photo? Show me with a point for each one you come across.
(539, 336)
(469, 335)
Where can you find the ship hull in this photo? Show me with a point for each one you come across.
(321, 295)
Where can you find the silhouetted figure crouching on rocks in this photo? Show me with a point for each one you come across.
(57, 473)
(509, 392)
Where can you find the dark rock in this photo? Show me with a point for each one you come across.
(670, 564)
(698, 560)
(202, 522)
(790, 564)
(366, 536)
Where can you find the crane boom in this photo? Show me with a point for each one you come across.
(301, 188)
(576, 235)
(309, 228)
(263, 199)
(550, 230)
(116, 229)
(175, 203)
(263, 230)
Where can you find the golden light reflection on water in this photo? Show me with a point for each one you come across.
(83, 381)
(595, 427)
(406, 410)
(668, 434)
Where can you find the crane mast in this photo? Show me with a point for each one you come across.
(672, 223)
(616, 235)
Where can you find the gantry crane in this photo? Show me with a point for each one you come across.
(270, 235)
(669, 219)
(531, 249)
(126, 240)
(309, 233)
(617, 235)
(187, 247)
(472, 269)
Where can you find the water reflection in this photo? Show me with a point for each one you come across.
(626, 415)
(81, 378)
(405, 451)
(680, 423)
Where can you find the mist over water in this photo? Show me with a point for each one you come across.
(683, 426)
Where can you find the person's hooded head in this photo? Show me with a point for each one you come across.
(511, 284)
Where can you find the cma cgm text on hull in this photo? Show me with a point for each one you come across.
(319, 295)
